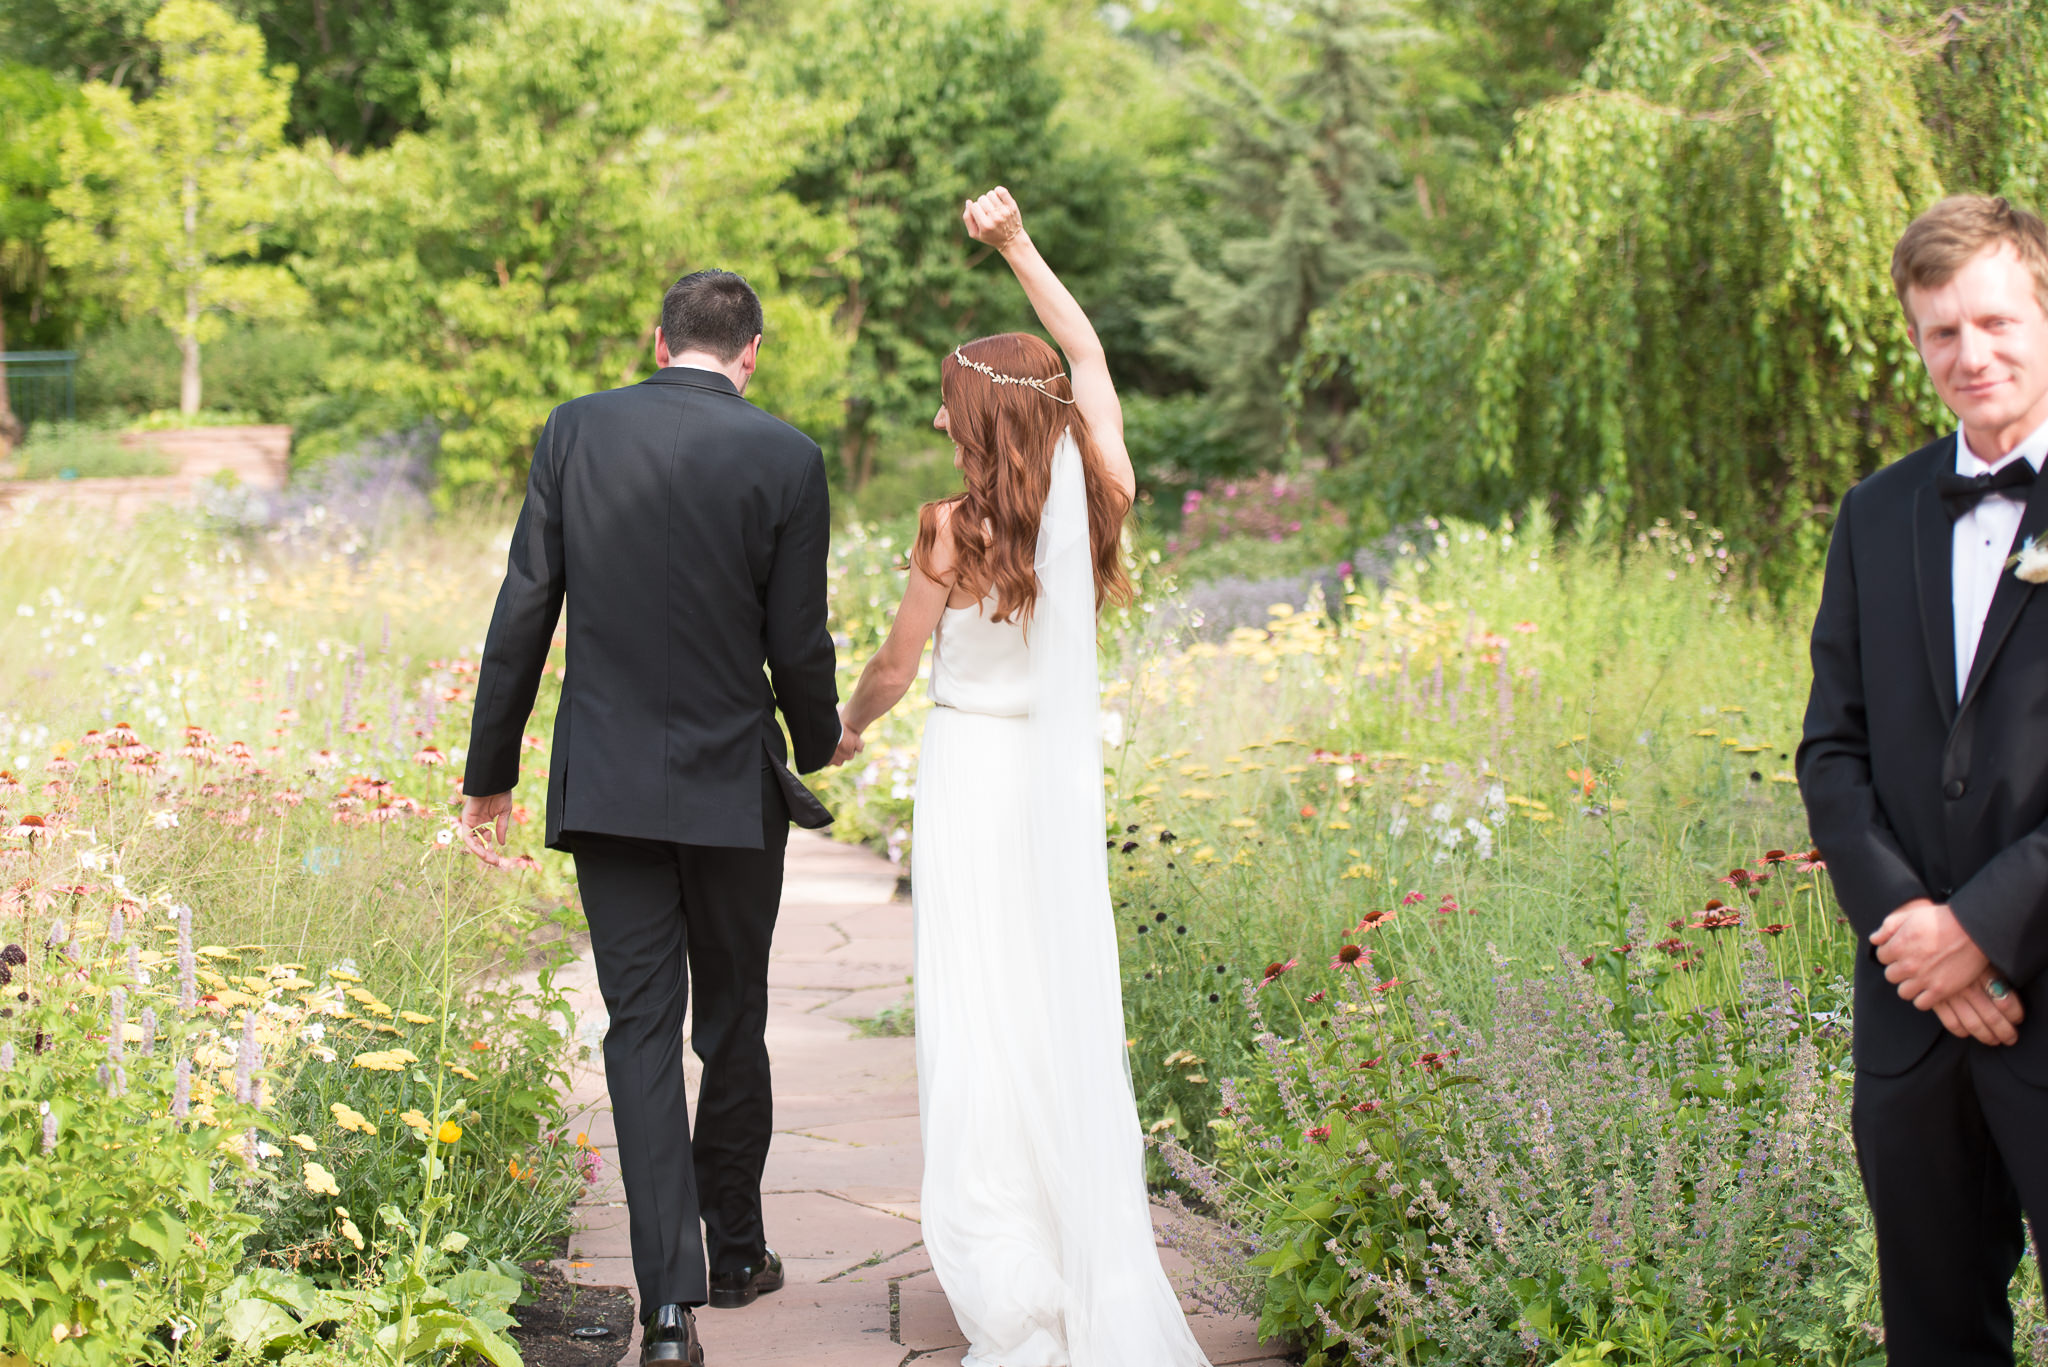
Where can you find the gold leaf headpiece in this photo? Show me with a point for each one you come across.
(1028, 381)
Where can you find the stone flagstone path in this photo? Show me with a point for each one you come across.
(842, 1180)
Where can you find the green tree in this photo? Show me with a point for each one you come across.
(1302, 179)
(363, 64)
(166, 200)
(30, 103)
(945, 103)
(1687, 307)
(582, 155)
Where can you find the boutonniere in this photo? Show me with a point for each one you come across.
(2031, 563)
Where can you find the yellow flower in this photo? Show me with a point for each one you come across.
(378, 1063)
(415, 1018)
(351, 1233)
(1357, 871)
(305, 1141)
(343, 975)
(349, 1118)
(320, 1181)
(416, 1121)
(449, 1132)
(463, 1072)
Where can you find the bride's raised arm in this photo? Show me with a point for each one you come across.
(994, 219)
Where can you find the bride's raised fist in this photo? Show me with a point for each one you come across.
(993, 219)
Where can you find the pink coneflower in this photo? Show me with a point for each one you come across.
(1810, 861)
(1387, 986)
(429, 756)
(1351, 956)
(60, 764)
(1773, 930)
(1318, 1135)
(9, 783)
(1372, 920)
(1315, 998)
(1275, 971)
(28, 827)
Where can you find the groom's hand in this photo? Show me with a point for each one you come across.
(483, 817)
(1927, 954)
(850, 744)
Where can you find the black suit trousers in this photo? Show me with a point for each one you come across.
(663, 918)
(1952, 1154)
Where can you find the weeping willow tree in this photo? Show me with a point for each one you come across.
(1688, 306)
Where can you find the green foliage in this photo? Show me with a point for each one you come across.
(1686, 305)
(1302, 178)
(511, 257)
(167, 200)
(364, 66)
(941, 104)
(400, 1315)
(30, 105)
(87, 40)
(268, 370)
(119, 1217)
(60, 450)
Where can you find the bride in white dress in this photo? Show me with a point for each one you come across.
(1034, 1205)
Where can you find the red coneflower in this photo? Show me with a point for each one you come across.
(1775, 857)
(1350, 956)
(1319, 1135)
(1315, 998)
(1388, 986)
(1739, 878)
(1773, 930)
(1365, 1108)
(1372, 920)
(1810, 861)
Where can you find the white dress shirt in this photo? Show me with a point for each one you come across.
(1983, 543)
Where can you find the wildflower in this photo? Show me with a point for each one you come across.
(415, 1018)
(1315, 998)
(181, 1091)
(28, 828)
(414, 1120)
(1585, 778)
(449, 1132)
(1372, 920)
(1350, 956)
(1413, 899)
(1275, 971)
(1773, 930)
(1675, 947)
(49, 1130)
(305, 1141)
(515, 1172)
(350, 1232)
(1775, 857)
(1365, 1108)
(1434, 1062)
(7, 1057)
(592, 1163)
(1387, 986)
(429, 756)
(1307, 812)
(1739, 878)
(1319, 1135)
(1810, 861)
(320, 1181)
(349, 1118)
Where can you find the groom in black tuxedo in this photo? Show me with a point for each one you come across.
(1925, 772)
(687, 530)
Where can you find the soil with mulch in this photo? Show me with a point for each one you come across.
(556, 1307)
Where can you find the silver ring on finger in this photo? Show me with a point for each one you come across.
(1998, 989)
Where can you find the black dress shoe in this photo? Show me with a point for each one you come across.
(731, 1290)
(671, 1336)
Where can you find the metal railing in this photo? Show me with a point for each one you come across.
(42, 386)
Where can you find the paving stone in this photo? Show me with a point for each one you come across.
(884, 921)
(900, 1130)
(863, 1005)
(911, 1262)
(925, 1321)
(897, 955)
(830, 1325)
(814, 1226)
(826, 974)
(598, 1271)
(890, 1169)
(795, 939)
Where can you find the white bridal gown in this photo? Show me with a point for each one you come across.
(1034, 1206)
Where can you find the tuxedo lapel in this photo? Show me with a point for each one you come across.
(2010, 596)
(1934, 566)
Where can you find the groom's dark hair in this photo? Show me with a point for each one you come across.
(714, 311)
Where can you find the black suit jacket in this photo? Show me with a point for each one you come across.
(1910, 790)
(688, 531)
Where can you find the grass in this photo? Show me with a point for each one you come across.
(82, 451)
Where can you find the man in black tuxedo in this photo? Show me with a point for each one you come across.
(1925, 772)
(687, 529)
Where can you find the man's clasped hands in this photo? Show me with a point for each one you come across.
(1936, 966)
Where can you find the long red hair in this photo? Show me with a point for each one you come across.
(1006, 434)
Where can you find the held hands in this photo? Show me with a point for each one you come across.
(850, 742)
(1938, 968)
(482, 818)
(994, 219)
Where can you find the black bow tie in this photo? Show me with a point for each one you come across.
(1961, 493)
